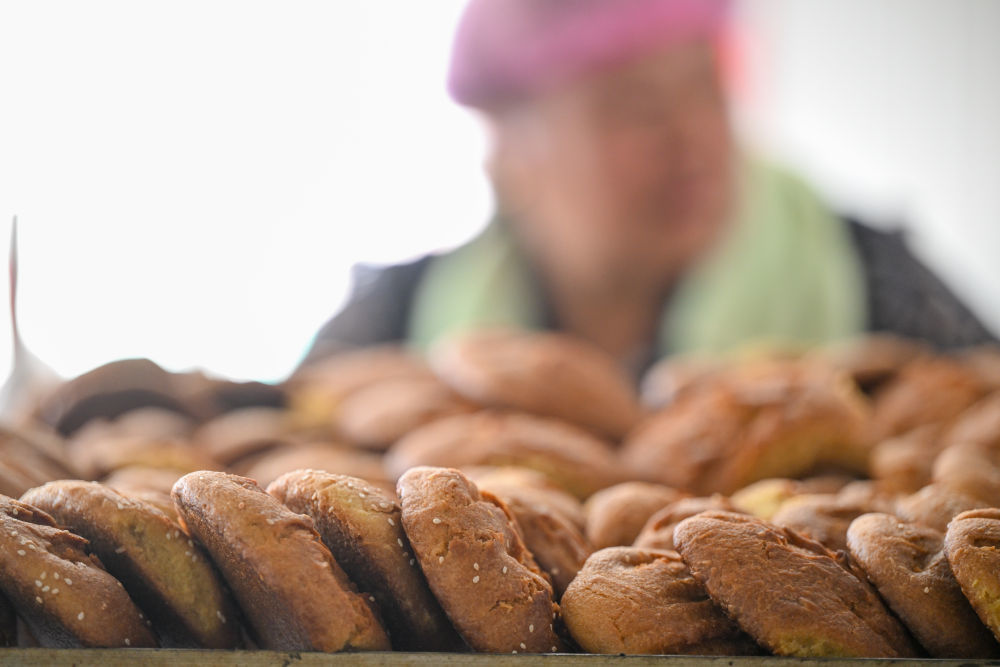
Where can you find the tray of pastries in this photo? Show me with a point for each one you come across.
(510, 494)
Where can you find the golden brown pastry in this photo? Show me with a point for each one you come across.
(14, 482)
(789, 593)
(157, 499)
(774, 420)
(293, 593)
(925, 391)
(822, 517)
(671, 378)
(476, 563)
(639, 601)
(980, 422)
(317, 389)
(318, 456)
(616, 515)
(763, 498)
(362, 527)
(62, 592)
(151, 423)
(984, 361)
(143, 478)
(97, 457)
(935, 506)
(559, 548)
(870, 493)
(973, 547)
(376, 416)
(527, 486)
(658, 533)
(908, 566)
(164, 572)
(550, 520)
(547, 374)
(569, 456)
(902, 464)
(25, 462)
(239, 433)
(971, 468)
(873, 359)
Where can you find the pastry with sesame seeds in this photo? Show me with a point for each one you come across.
(908, 566)
(476, 563)
(791, 594)
(62, 592)
(559, 547)
(973, 547)
(361, 525)
(644, 601)
(293, 593)
(163, 570)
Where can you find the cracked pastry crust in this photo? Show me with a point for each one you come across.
(823, 517)
(791, 594)
(362, 527)
(475, 561)
(558, 546)
(908, 566)
(645, 601)
(973, 547)
(292, 591)
(63, 593)
(529, 486)
(167, 575)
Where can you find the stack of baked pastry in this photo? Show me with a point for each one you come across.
(512, 492)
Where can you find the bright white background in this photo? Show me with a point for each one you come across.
(194, 178)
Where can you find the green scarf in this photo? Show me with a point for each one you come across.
(786, 275)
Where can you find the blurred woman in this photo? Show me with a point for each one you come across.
(628, 213)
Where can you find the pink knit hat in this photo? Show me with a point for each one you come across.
(508, 49)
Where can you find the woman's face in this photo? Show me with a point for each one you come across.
(625, 175)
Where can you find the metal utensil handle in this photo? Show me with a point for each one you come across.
(12, 268)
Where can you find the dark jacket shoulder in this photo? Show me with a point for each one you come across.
(377, 311)
(907, 299)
